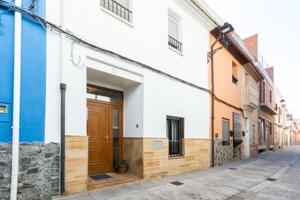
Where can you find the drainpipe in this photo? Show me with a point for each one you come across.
(213, 103)
(63, 99)
(62, 135)
(16, 103)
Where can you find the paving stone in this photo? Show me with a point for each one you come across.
(247, 182)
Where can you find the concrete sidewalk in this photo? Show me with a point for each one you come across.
(247, 179)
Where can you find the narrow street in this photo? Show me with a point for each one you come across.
(272, 175)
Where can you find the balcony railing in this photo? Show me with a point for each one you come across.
(175, 44)
(117, 9)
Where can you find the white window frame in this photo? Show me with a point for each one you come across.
(178, 20)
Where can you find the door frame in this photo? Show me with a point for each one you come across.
(111, 106)
(247, 137)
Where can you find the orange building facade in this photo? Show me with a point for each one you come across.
(233, 74)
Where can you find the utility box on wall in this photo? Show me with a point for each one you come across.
(5, 122)
(4, 112)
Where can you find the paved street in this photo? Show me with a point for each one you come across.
(239, 180)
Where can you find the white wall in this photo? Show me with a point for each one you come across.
(167, 97)
(134, 111)
(145, 40)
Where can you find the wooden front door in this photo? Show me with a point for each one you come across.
(100, 139)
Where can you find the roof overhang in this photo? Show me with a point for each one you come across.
(237, 48)
(211, 18)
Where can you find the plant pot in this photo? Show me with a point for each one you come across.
(122, 170)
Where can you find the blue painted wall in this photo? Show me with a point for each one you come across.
(6, 72)
(33, 76)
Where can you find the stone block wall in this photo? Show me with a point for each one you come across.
(76, 169)
(133, 153)
(158, 164)
(238, 152)
(223, 153)
(39, 170)
(5, 170)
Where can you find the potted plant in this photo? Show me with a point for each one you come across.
(121, 166)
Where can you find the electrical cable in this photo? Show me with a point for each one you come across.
(79, 40)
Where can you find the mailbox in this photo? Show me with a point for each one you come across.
(5, 112)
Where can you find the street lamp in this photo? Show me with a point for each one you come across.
(282, 102)
(223, 31)
(226, 28)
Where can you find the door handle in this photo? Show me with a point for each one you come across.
(106, 137)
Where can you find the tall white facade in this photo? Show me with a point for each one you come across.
(149, 95)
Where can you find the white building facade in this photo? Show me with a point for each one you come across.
(136, 81)
(98, 82)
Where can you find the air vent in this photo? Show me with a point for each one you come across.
(271, 179)
(232, 168)
(177, 183)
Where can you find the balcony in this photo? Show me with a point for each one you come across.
(267, 107)
(175, 44)
(117, 9)
(251, 101)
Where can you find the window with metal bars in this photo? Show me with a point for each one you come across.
(175, 132)
(225, 132)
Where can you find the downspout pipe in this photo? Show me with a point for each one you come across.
(16, 103)
(63, 88)
(213, 103)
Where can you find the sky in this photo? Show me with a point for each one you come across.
(277, 23)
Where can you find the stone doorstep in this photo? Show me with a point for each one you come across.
(115, 181)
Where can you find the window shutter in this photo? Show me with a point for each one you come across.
(173, 28)
(237, 126)
(181, 125)
(225, 130)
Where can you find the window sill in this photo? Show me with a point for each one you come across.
(117, 17)
(176, 157)
(176, 51)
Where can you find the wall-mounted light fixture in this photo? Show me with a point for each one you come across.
(282, 102)
(224, 31)
(226, 28)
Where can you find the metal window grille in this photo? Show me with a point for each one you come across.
(117, 9)
(175, 131)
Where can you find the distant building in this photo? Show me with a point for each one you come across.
(279, 120)
(267, 98)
